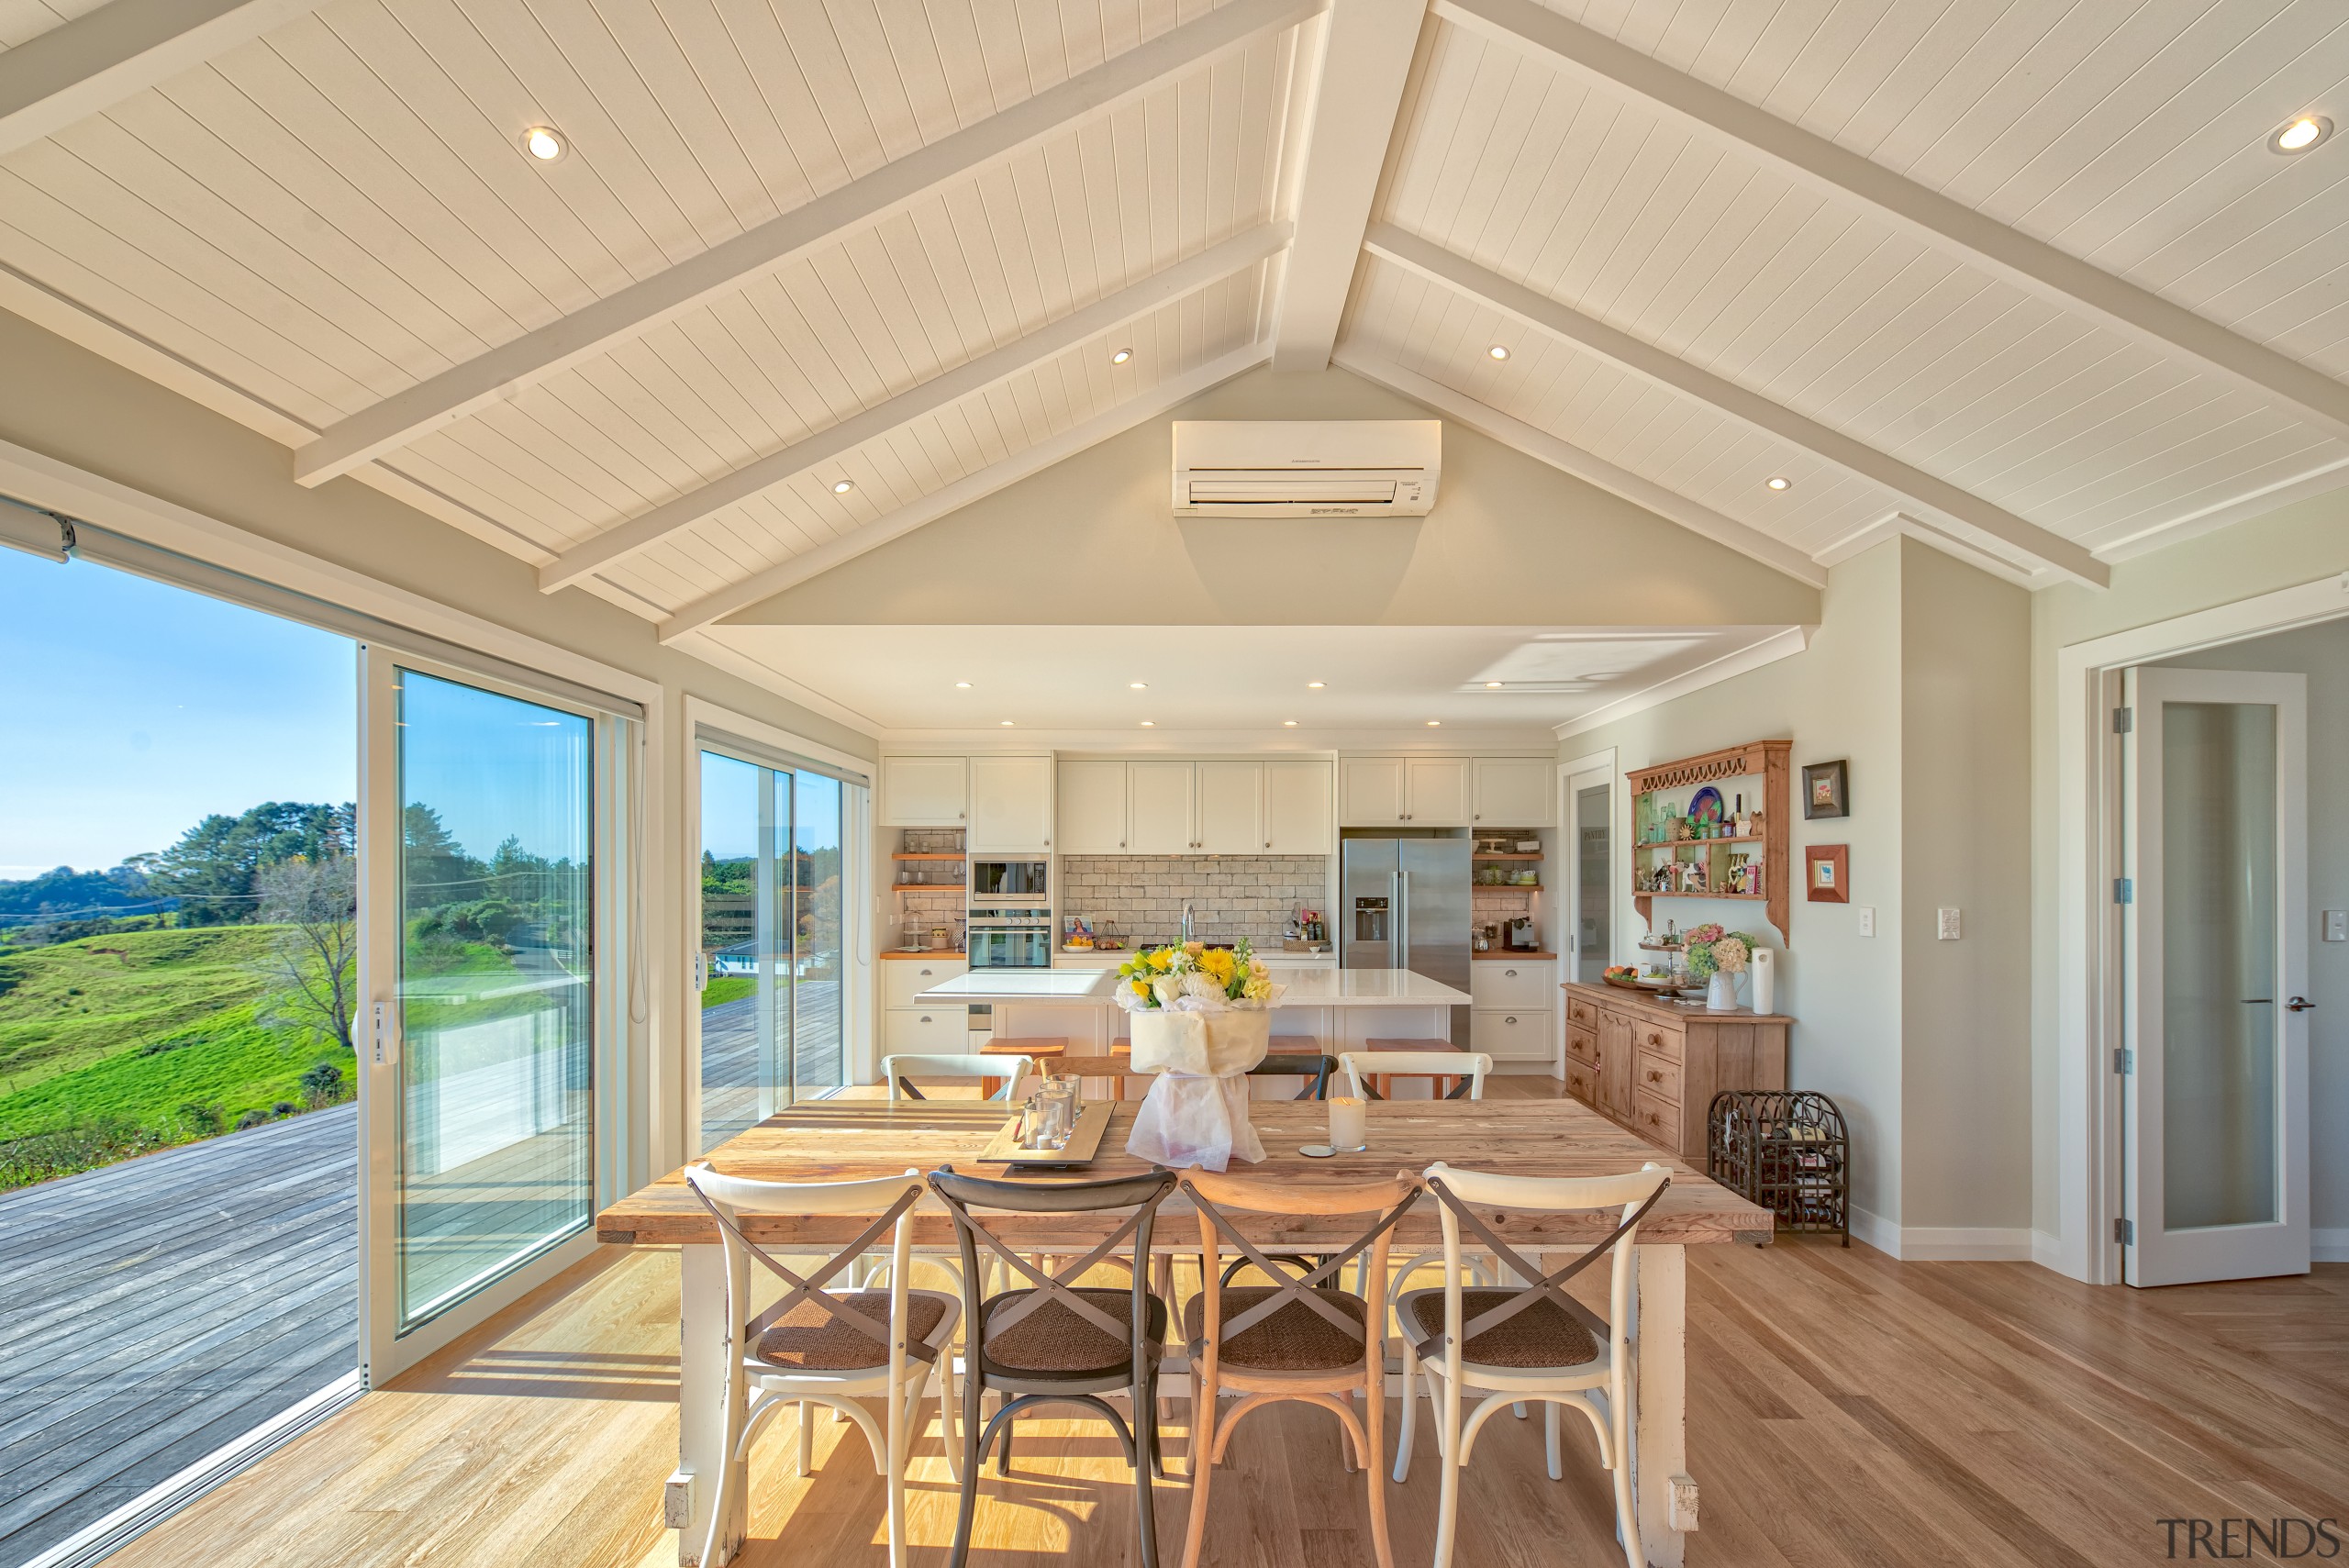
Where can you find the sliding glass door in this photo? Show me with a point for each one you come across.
(772, 960)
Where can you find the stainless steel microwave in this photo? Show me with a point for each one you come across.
(1001, 883)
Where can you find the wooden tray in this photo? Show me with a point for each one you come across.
(1083, 1143)
(1652, 987)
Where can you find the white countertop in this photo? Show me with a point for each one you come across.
(1091, 987)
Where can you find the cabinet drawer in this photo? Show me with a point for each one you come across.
(1656, 1120)
(1658, 1039)
(1581, 1012)
(1582, 1083)
(1521, 985)
(1511, 1037)
(928, 1031)
(1657, 1077)
(902, 979)
(1582, 1045)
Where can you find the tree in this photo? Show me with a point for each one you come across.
(212, 868)
(317, 957)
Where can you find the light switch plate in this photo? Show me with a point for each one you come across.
(1947, 929)
(2336, 925)
(1867, 919)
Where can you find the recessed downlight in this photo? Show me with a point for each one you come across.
(842, 486)
(2300, 135)
(961, 686)
(1007, 724)
(1150, 724)
(1122, 356)
(1492, 685)
(1314, 686)
(544, 143)
(1288, 724)
(1779, 481)
(1499, 350)
(1136, 686)
(1435, 724)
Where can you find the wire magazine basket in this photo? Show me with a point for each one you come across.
(1787, 1151)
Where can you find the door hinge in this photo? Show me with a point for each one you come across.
(2124, 890)
(2123, 720)
(2124, 1232)
(2124, 1061)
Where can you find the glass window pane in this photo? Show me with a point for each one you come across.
(818, 1060)
(736, 993)
(495, 986)
(1593, 940)
(2219, 1033)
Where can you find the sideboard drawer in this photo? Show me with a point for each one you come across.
(1657, 1076)
(1582, 1045)
(1667, 1040)
(1581, 1012)
(1656, 1120)
(1582, 1083)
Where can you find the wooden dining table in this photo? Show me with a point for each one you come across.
(841, 1140)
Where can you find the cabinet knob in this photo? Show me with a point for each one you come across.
(1654, 1076)
(1656, 1040)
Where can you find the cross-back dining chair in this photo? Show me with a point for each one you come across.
(1313, 1066)
(899, 1072)
(1055, 1340)
(1526, 1341)
(1361, 1066)
(816, 1346)
(1302, 1337)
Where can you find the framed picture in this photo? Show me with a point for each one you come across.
(1827, 873)
(1826, 789)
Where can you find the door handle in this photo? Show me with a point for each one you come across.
(2299, 1004)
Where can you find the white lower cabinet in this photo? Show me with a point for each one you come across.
(927, 1032)
(902, 979)
(1510, 1036)
(1515, 1003)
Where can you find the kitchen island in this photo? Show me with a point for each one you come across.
(1333, 1010)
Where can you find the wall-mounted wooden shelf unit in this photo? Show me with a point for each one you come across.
(1765, 761)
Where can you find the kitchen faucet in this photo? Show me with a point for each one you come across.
(1186, 922)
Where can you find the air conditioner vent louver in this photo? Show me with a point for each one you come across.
(1365, 468)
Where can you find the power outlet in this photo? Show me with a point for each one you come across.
(2336, 925)
(1947, 927)
(1867, 919)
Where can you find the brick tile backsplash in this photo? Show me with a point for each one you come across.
(1230, 896)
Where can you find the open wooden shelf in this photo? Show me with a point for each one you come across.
(1702, 843)
(1765, 760)
(1505, 855)
(929, 855)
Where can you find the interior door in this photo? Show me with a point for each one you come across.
(1590, 876)
(2214, 1093)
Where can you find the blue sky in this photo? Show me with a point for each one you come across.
(129, 710)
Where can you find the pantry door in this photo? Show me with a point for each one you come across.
(2215, 1080)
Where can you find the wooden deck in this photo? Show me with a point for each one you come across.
(153, 1311)
(1846, 1411)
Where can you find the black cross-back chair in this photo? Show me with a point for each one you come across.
(1054, 1342)
(1312, 1065)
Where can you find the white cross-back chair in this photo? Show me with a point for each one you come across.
(816, 1346)
(899, 1072)
(1533, 1341)
(1473, 1066)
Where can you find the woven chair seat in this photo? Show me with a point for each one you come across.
(1055, 1341)
(810, 1340)
(1543, 1335)
(1294, 1339)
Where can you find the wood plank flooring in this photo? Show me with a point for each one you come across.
(1846, 1409)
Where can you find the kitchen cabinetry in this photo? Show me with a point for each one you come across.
(907, 1028)
(1656, 1068)
(1011, 805)
(1296, 809)
(924, 792)
(1514, 1018)
(1231, 808)
(1513, 792)
(1370, 791)
(1435, 791)
(1089, 802)
(1422, 792)
(1161, 795)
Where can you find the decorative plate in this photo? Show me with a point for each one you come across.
(1704, 805)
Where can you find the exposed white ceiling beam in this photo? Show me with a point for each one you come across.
(1667, 370)
(1899, 525)
(970, 488)
(1567, 458)
(95, 61)
(485, 378)
(1210, 266)
(1357, 93)
(1946, 224)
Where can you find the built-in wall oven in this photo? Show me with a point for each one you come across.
(1010, 937)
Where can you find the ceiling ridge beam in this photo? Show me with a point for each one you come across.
(1589, 467)
(1208, 267)
(970, 488)
(87, 66)
(1941, 222)
(1366, 63)
(592, 329)
(1669, 371)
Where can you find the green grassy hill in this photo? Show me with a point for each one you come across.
(106, 1042)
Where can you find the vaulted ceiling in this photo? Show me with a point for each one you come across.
(2026, 281)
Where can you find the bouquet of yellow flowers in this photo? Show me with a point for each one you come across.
(1195, 978)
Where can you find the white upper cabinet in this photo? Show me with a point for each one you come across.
(1091, 803)
(1296, 809)
(923, 792)
(1162, 818)
(1370, 791)
(1231, 808)
(1435, 791)
(1011, 805)
(1514, 792)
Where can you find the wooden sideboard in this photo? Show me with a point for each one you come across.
(1655, 1067)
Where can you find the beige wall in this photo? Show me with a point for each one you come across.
(2304, 542)
(1511, 543)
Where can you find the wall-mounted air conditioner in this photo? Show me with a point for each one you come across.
(1352, 468)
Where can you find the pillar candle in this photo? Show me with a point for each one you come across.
(1348, 1122)
(1764, 964)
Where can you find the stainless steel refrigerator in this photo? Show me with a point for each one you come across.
(1404, 905)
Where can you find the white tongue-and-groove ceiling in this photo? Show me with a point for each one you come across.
(2024, 280)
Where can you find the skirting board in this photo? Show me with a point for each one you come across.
(2329, 1246)
(1944, 1244)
